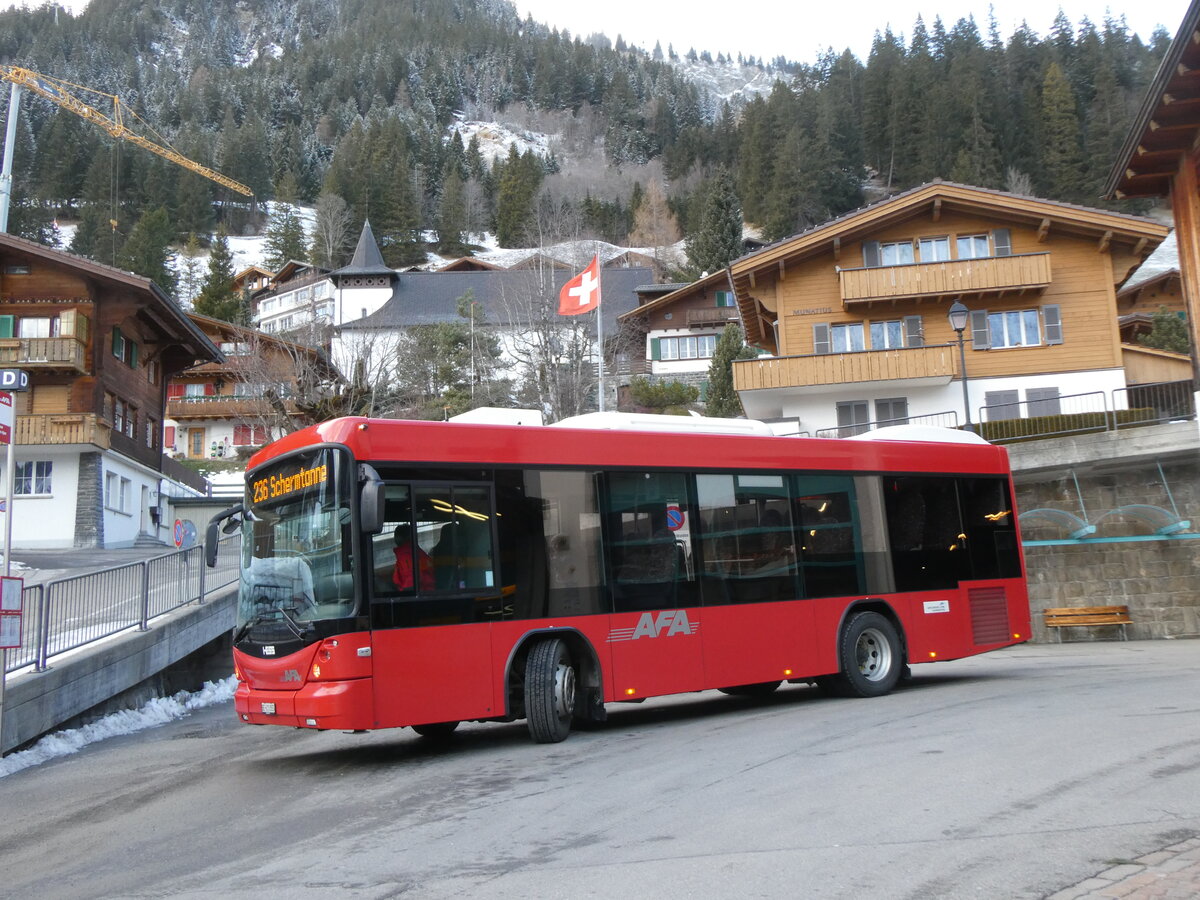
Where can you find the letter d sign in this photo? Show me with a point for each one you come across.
(13, 380)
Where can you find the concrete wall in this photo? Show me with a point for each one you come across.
(75, 683)
(1090, 476)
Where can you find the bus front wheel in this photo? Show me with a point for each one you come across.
(550, 691)
(870, 655)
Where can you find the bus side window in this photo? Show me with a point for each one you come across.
(569, 554)
(648, 566)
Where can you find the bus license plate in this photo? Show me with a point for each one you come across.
(268, 709)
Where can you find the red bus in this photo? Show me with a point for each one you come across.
(399, 573)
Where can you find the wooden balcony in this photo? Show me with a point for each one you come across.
(912, 365)
(221, 407)
(714, 315)
(961, 277)
(62, 428)
(64, 353)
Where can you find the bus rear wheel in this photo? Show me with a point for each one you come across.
(871, 657)
(436, 730)
(550, 691)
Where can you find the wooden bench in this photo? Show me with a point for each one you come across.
(1069, 616)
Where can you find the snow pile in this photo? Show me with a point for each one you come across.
(495, 139)
(158, 711)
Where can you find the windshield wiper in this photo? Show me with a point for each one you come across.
(292, 625)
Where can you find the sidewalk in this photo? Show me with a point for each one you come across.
(1172, 873)
(40, 566)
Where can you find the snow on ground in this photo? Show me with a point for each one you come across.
(495, 139)
(158, 711)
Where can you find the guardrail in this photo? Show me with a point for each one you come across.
(940, 420)
(69, 613)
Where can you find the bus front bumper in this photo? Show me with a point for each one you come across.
(342, 705)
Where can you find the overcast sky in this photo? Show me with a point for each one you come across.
(801, 29)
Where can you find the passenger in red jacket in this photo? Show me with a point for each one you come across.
(402, 575)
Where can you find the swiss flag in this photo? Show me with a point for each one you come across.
(582, 293)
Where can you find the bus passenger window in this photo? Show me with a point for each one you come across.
(746, 545)
(832, 560)
(929, 546)
(649, 551)
(561, 550)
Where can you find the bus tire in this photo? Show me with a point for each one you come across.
(870, 654)
(550, 691)
(761, 689)
(435, 731)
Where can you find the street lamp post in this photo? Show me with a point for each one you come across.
(958, 315)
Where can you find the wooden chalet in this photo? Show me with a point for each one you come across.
(224, 409)
(1161, 158)
(855, 310)
(99, 346)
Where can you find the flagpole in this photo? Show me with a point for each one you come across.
(600, 337)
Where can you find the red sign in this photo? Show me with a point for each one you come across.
(6, 417)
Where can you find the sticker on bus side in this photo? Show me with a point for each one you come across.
(651, 625)
(937, 606)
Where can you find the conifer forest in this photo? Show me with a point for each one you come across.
(358, 102)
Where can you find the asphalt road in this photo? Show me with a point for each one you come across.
(1010, 775)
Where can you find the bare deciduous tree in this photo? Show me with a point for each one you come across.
(331, 231)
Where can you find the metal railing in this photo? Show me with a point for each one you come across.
(1095, 411)
(68, 613)
(940, 420)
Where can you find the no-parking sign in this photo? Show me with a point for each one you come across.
(674, 518)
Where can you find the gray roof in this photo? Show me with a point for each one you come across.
(425, 298)
(367, 259)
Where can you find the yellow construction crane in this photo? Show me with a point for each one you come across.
(62, 93)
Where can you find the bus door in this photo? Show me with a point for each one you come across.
(754, 628)
(435, 590)
(655, 627)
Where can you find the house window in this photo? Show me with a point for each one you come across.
(896, 253)
(124, 348)
(724, 298)
(1002, 405)
(973, 246)
(887, 335)
(891, 412)
(699, 347)
(38, 327)
(16, 269)
(852, 417)
(33, 477)
(118, 416)
(1016, 328)
(847, 337)
(110, 490)
(1043, 401)
(250, 435)
(934, 249)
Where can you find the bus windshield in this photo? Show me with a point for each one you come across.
(296, 547)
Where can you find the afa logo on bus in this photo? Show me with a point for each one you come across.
(651, 625)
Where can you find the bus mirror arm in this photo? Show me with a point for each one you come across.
(372, 500)
(215, 529)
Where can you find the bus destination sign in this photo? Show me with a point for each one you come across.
(281, 485)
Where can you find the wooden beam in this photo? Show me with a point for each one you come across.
(782, 271)
(1182, 70)
(1043, 230)
(1105, 240)
(837, 249)
(937, 209)
(753, 280)
(1140, 247)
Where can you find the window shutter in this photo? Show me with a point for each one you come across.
(914, 331)
(980, 339)
(1052, 321)
(118, 343)
(210, 389)
(1002, 405)
(656, 348)
(1002, 242)
(6, 326)
(169, 436)
(821, 342)
(133, 350)
(871, 254)
(174, 390)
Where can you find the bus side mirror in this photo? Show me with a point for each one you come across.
(214, 530)
(372, 500)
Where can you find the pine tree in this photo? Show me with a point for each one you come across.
(1168, 331)
(452, 215)
(147, 250)
(1062, 155)
(718, 238)
(217, 298)
(189, 282)
(723, 400)
(284, 239)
